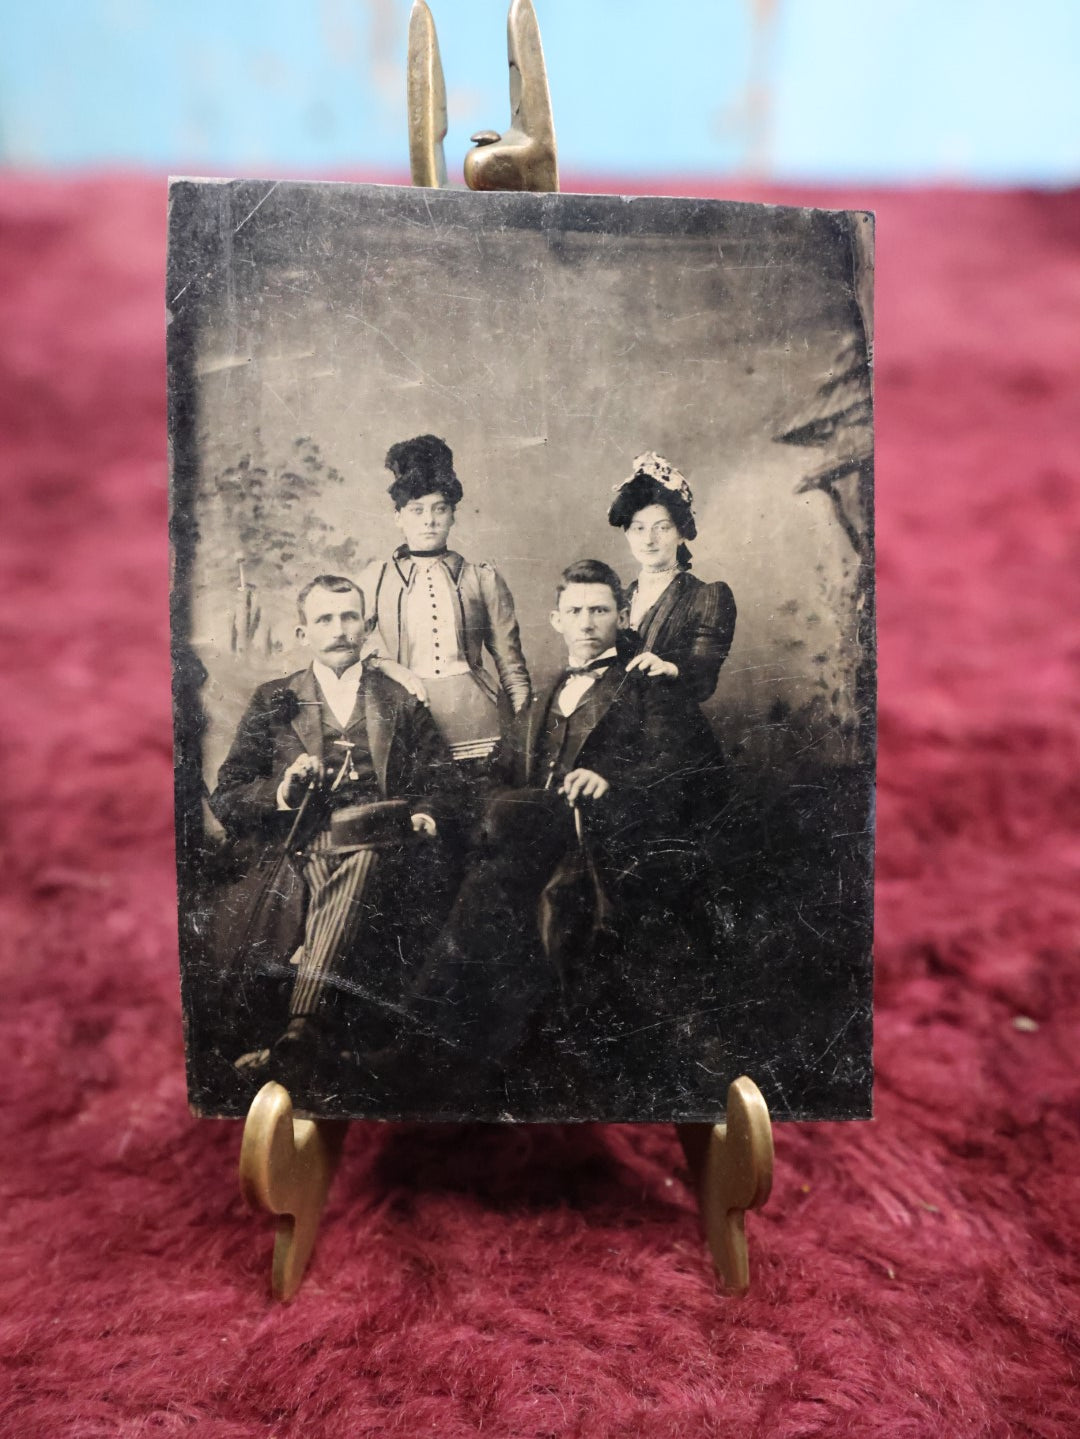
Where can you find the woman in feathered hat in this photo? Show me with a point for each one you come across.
(436, 612)
(684, 626)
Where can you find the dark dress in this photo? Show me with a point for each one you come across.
(692, 625)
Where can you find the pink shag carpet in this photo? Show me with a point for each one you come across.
(913, 1276)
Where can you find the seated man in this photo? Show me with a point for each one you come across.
(315, 759)
(608, 772)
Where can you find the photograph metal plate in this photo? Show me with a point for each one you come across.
(523, 626)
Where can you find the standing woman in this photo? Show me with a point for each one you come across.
(435, 613)
(684, 626)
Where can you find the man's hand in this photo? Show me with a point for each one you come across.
(297, 777)
(425, 825)
(653, 665)
(404, 677)
(584, 784)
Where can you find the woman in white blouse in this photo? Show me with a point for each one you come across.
(436, 613)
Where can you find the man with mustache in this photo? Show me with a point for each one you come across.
(316, 764)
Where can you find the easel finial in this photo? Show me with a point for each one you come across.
(426, 100)
(524, 156)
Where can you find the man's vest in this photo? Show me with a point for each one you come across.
(563, 735)
(365, 787)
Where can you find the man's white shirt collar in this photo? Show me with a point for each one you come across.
(577, 686)
(597, 660)
(339, 691)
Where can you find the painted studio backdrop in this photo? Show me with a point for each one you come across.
(550, 340)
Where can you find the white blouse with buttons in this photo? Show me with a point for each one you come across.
(430, 618)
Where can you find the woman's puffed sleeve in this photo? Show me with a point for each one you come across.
(703, 646)
(374, 644)
(502, 638)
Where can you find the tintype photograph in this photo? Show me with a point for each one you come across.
(523, 643)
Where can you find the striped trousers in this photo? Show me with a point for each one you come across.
(336, 885)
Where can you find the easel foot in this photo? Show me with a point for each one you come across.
(731, 1166)
(286, 1168)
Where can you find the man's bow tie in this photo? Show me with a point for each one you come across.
(597, 668)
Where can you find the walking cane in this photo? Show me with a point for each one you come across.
(278, 865)
(604, 910)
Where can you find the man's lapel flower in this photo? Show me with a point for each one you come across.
(284, 705)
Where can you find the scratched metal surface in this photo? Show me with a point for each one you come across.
(550, 338)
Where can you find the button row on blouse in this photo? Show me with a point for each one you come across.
(434, 611)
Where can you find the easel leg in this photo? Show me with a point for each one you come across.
(286, 1168)
(731, 1166)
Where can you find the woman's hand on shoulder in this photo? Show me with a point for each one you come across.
(400, 675)
(654, 666)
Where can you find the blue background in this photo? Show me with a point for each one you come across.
(977, 91)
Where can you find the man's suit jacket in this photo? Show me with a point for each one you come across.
(692, 624)
(257, 928)
(283, 721)
(649, 740)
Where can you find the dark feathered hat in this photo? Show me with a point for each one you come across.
(422, 466)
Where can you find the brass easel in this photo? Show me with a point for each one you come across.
(287, 1165)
